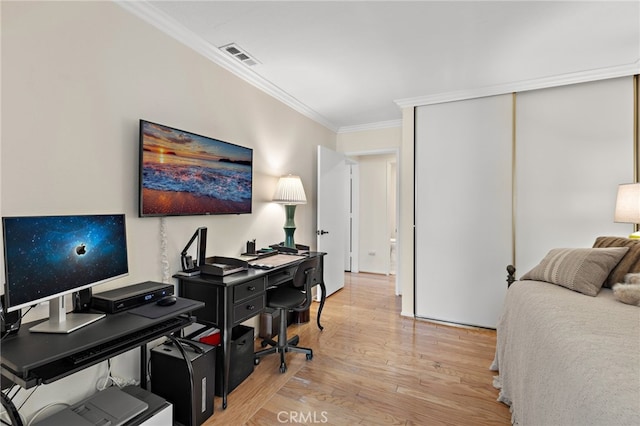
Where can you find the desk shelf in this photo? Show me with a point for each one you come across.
(29, 359)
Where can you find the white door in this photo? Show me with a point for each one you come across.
(332, 215)
(589, 129)
(463, 209)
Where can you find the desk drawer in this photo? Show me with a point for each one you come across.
(248, 290)
(249, 308)
(281, 276)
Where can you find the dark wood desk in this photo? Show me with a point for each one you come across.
(234, 298)
(30, 359)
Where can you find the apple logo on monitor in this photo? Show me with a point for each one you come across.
(81, 249)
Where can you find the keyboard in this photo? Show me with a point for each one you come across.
(107, 349)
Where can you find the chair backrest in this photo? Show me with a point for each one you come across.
(306, 269)
(307, 275)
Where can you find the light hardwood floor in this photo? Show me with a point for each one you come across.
(372, 367)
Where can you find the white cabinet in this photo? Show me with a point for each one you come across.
(503, 179)
(574, 145)
(463, 209)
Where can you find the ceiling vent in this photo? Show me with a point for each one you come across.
(240, 54)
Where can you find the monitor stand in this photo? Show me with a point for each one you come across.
(62, 322)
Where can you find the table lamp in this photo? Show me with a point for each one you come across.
(628, 205)
(290, 193)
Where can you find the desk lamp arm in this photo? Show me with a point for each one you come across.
(201, 235)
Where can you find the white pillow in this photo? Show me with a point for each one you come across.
(627, 293)
(633, 278)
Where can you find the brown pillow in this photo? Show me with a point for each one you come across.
(629, 263)
(581, 269)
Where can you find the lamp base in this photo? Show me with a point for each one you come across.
(289, 225)
(635, 235)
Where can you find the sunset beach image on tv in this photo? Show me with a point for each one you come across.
(182, 173)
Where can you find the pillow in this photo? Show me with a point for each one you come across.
(627, 293)
(632, 278)
(581, 269)
(629, 263)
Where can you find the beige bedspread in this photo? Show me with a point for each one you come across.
(568, 359)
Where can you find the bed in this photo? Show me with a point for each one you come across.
(568, 358)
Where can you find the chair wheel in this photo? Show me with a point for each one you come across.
(283, 368)
(256, 361)
(263, 344)
(309, 357)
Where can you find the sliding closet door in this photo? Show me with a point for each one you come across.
(574, 145)
(463, 209)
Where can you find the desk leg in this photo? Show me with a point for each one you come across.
(322, 299)
(226, 347)
(143, 366)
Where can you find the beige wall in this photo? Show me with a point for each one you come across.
(375, 213)
(369, 141)
(76, 78)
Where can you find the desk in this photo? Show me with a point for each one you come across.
(30, 359)
(233, 299)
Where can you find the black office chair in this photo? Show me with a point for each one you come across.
(294, 297)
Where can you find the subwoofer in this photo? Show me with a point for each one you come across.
(9, 321)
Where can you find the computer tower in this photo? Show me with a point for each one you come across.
(171, 380)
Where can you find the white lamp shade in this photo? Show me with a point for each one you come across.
(628, 203)
(290, 191)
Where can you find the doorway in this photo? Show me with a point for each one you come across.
(373, 216)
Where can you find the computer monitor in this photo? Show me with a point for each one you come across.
(48, 257)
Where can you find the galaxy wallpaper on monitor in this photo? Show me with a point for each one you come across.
(50, 255)
(182, 173)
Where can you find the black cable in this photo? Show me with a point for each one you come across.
(12, 412)
(149, 375)
(8, 389)
(17, 388)
(25, 313)
(27, 398)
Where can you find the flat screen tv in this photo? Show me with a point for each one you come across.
(48, 257)
(182, 173)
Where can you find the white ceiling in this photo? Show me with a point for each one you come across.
(351, 64)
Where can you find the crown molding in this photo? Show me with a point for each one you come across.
(371, 126)
(147, 12)
(624, 70)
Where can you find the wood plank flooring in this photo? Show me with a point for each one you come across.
(372, 367)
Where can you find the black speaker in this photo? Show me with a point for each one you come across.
(9, 321)
(82, 300)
